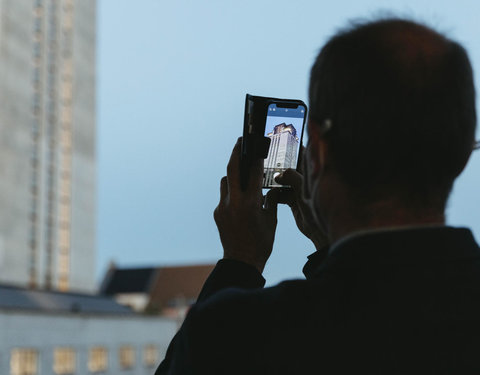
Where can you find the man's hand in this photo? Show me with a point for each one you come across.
(245, 220)
(302, 212)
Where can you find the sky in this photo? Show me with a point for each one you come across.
(172, 78)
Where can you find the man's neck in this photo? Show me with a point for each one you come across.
(380, 216)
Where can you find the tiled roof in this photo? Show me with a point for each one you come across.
(16, 298)
(162, 284)
(182, 282)
(128, 280)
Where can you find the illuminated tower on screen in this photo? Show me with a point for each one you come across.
(282, 153)
(47, 131)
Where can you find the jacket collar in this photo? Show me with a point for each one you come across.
(414, 245)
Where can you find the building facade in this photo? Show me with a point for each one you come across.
(57, 333)
(282, 153)
(47, 135)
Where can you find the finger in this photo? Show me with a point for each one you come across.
(280, 195)
(305, 190)
(272, 195)
(292, 178)
(256, 176)
(233, 168)
(301, 157)
(223, 189)
(271, 202)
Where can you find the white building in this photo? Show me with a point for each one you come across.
(64, 333)
(47, 135)
(47, 201)
(282, 153)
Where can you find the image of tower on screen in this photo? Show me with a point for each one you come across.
(282, 153)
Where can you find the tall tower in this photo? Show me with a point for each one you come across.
(47, 136)
(282, 153)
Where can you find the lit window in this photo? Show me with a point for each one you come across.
(64, 361)
(23, 362)
(126, 355)
(98, 359)
(150, 355)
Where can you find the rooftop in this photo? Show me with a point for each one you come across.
(16, 298)
(161, 285)
(129, 280)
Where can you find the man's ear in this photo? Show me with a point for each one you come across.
(318, 149)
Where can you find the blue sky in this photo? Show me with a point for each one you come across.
(172, 79)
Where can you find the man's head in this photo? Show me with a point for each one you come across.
(401, 103)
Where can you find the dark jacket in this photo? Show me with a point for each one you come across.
(398, 302)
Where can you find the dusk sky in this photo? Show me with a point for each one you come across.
(172, 78)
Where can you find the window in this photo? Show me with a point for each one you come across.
(150, 354)
(38, 25)
(64, 361)
(23, 362)
(98, 359)
(126, 355)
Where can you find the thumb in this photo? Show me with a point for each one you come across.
(223, 189)
(290, 177)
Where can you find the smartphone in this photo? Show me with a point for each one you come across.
(273, 130)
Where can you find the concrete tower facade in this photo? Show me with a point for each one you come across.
(47, 135)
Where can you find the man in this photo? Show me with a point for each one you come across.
(391, 289)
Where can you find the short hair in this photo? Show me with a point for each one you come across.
(401, 100)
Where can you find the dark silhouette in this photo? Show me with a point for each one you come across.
(391, 289)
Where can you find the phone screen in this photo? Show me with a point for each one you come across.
(284, 127)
